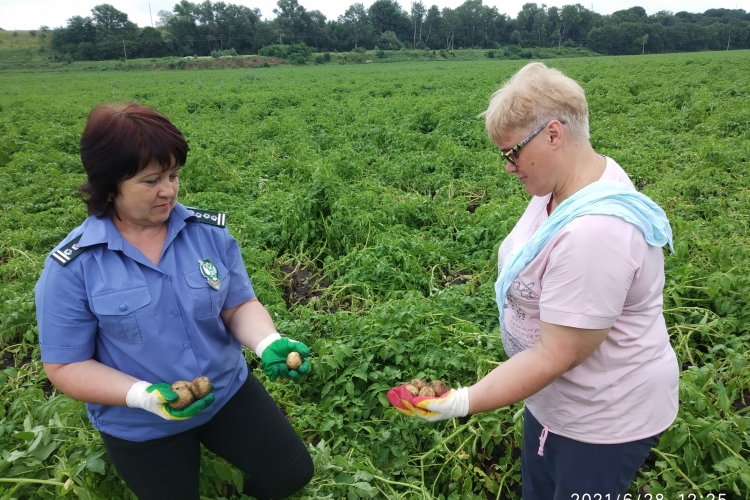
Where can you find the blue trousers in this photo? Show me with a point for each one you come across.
(569, 468)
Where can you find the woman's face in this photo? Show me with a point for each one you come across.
(147, 199)
(528, 162)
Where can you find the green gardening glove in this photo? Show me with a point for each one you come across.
(273, 352)
(156, 398)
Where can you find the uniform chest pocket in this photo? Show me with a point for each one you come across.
(207, 301)
(124, 315)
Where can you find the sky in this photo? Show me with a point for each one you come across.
(31, 14)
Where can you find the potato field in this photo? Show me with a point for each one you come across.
(369, 206)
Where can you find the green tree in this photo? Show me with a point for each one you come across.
(434, 27)
(539, 26)
(389, 41)
(387, 15)
(182, 28)
(316, 31)
(115, 34)
(291, 21)
(235, 25)
(452, 23)
(570, 22)
(68, 40)
(151, 43)
(354, 21)
(418, 13)
(108, 19)
(469, 15)
(530, 18)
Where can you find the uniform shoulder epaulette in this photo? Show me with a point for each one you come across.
(68, 252)
(217, 219)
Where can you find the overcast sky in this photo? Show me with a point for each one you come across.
(30, 14)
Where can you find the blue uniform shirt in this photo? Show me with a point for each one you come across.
(156, 323)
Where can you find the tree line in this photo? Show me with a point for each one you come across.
(211, 28)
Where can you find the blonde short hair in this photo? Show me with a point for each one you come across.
(534, 96)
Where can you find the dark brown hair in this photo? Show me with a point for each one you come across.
(118, 142)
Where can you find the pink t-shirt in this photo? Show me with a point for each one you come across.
(596, 272)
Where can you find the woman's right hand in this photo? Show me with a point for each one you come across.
(156, 398)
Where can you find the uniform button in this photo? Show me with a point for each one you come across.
(123, 307)
(164, 276)
(186, 345)
(174, 313)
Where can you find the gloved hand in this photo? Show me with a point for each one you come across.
(156, 398)
(454, 403)
(273, 351)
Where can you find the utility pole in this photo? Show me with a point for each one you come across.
(730, 37)
(124, 51)
(149, 15)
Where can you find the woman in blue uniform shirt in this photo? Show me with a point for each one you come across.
(147, 292)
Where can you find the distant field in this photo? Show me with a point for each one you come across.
(369, 205)
(23, 48)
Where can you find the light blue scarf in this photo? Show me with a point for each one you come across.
(599, 198)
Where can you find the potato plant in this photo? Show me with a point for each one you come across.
(369, 206)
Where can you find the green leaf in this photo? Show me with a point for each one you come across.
(45, 451)
(238, 479)
(326, 389)
(343, 479)
(223, 470)
(15, 455)
(82, 494)
(456, 473)
(96, 465)
(365, 490)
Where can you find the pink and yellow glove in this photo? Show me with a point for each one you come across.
(454, 403)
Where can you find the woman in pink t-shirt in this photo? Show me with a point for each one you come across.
(582, 321)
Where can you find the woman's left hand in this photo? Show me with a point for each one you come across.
(454, 403)
(274, 358)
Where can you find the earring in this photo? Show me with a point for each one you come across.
(110, 198)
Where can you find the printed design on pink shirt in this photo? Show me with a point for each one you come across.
(514, 305)
(526, 291)
(523, 334)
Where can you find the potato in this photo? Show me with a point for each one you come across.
(427, 391)
(439, 387)
(293, 360)
(412, 390)
(418, 383)
(200, 387)
(181, 384)
(185, 398)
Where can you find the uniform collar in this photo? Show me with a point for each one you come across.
(103, 231)
(179, 215)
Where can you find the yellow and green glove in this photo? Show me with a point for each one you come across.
(156, 398)
(454, 403)
(273, 351)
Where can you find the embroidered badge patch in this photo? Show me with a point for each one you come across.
(68, 252)
(207, 217)
(209, 271)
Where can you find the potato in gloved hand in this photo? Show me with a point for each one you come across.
(188, 392)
